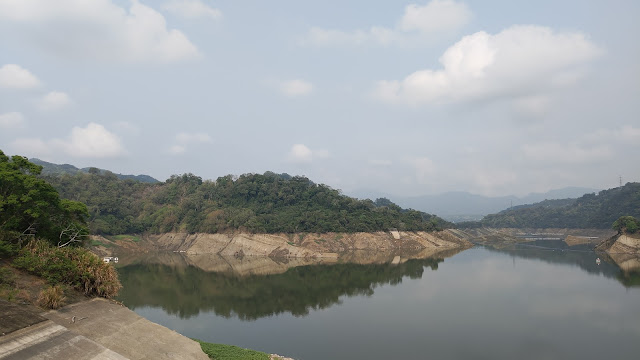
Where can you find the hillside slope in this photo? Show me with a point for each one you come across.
(589, 211)
(253, 203)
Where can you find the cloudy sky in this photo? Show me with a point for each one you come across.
(493, 97)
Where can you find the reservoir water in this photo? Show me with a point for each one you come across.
(527, 302)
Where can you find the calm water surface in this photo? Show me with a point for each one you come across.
(523, 303)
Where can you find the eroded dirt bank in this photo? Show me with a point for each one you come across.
(328, 245)
(624, 250)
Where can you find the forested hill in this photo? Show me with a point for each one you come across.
(57, 169)
(589, 211)
(267, 203)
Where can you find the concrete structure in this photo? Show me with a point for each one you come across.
(95, 329)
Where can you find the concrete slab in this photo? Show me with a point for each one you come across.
(15, 317)
(125, 332)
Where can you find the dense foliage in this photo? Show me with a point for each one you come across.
(30, 207)
(626, 224)
(73, 266)
(589, 211)
(267, 203)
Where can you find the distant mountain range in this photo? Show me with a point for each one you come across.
(56, 169)
(463, 206)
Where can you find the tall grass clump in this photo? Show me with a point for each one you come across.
(51, 297)
(76, 267)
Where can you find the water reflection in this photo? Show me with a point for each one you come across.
(623, 267)
(255, 287)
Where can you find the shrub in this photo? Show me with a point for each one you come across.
(76, 267)
(51, 297)
(626, 224)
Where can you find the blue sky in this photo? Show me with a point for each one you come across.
(490, 97)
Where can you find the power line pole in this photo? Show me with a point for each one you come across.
(620, 180)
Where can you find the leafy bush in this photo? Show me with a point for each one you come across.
(230, 352)
(51, 297)
(626, 224)
(76, 267)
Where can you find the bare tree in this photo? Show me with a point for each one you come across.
(73, 233)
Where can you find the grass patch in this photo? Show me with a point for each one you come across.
(291, 243)
(338, 237)
(301, 237)
(52, 297)
(230, 352)
(100, 243)
(134, 238)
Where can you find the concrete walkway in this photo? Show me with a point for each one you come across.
(96, 329)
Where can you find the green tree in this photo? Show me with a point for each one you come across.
(30, 207)
(626, 224)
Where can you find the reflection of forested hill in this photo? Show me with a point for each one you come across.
(585, 260)
(188, 290)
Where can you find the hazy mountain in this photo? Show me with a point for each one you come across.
(464, 206)
(60, 169)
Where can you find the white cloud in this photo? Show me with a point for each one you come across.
(554, 153)
(98, 29)
(518, 62)
(92, 141)
(177, 150)
(11, 120)
(192, 9)
(15, 77)
(629, 134)
(437, 15)
(301, 154)
(431, 19)
(184, 139)
(297, 87)
(54, 100)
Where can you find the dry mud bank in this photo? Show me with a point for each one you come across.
(329, 245)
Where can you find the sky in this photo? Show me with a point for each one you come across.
(493, 97)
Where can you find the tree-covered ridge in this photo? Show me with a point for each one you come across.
(589, 211)
(258, 203)
(60, 169)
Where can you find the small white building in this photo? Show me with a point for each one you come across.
(108, 259)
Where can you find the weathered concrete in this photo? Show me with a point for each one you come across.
(48, 340)
(97, 329)
(15, 317)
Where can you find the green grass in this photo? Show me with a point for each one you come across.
(134, 238)
(230, 352)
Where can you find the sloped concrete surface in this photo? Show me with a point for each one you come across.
(97, 329)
